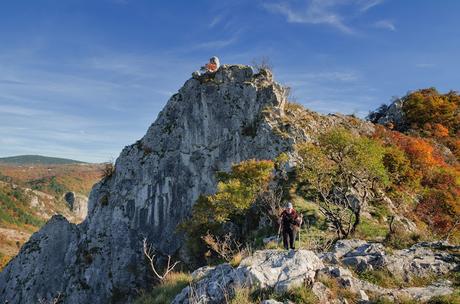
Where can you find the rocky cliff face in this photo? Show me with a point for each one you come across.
(209, 124)
(78, 204)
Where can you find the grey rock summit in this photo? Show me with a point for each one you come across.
(279, 270)
(212, 122)
(209, 124)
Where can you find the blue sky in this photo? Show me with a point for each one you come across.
(82, 79)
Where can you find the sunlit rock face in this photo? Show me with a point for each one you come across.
(212, 122)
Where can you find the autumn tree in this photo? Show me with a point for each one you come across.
(342, 172)
(428, 107)
(237, 191)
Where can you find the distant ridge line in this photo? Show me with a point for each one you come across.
(37, 160)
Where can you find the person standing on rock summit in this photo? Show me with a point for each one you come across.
(213, 65)
(208, 69)
(290, 221)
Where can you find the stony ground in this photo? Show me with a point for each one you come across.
(421, 272)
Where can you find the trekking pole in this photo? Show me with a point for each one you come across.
(300, 227)
(279, 235)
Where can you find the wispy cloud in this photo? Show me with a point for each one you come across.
(215, 20)
(386, 25)
(342, 91)
(323, 12)
(88, 109)
(215, 44)
(366, 5)
(328, 76)
(315, 13)
(20, 111)
(425, 65)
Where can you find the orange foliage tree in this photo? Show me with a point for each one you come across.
(428, 106)
(438, 182)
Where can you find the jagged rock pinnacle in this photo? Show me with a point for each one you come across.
(212, 122)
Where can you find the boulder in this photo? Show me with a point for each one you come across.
(365, 257)
(281, 269)
(421, 261)
(265, 269)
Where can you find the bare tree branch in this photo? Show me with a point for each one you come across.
(149, 254)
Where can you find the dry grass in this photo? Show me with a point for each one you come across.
(165, 293)
(301, 295)
(272, 245)
(227, 248)
(237, 258)
(337, 290)
(4, 259)
(241, 295)
(384, 278)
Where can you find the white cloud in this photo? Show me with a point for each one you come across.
(323, 12)
(386, 25)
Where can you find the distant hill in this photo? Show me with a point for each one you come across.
(37, 159)
(32, 189)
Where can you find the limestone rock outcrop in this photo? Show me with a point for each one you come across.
(279, 270)
(77, 203)
(265, 269)
(422, 259)
(212, 122)
(207, 126)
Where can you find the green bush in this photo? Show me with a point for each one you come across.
(16, 211)
(400, 239)
(236, 193)
(371, 230)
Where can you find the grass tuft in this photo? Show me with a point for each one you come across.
(165, 293)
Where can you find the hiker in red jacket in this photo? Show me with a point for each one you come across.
(208, 70)
(213, 65)
(290, 221)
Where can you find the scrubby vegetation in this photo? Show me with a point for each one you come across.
(15, 209)
(432, 113)
(341, 173)
(232, 208)
(23, 212)
(384, 278)
(344, 184)
(337, 178)
(53, 179)
(419, 168)
(165, 292)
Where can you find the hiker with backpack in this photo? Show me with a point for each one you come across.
(290, 222)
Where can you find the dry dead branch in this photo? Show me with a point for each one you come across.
(149, 253)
